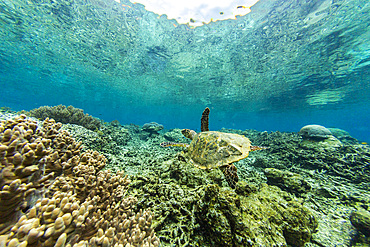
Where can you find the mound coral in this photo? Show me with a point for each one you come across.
(315, 131)
(52, 194)
(152, 127)
(63, 114)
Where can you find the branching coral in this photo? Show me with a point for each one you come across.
(24, 152)
(63, 114)
(54, 195)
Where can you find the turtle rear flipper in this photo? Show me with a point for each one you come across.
(255, 148)
(204, 120)
(231, 175)
(174, 144)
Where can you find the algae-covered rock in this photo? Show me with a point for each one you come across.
(338, 132)
(268, 217)
(243, 188)
(288, 181)
(361, 220)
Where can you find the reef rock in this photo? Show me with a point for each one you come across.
(361, 220)
(288, 181)
(174, 135)
(152, 127)
(268, 217)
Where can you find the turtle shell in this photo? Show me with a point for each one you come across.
(213, 149)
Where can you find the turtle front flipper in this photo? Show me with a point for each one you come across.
(174, 144)
(231, 175)
(204, 120)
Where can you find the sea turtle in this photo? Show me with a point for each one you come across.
(214, 149)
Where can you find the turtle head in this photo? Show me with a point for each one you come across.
(188, 133)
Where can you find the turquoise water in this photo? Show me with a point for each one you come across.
(284, 65)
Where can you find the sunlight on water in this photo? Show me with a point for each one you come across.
(121, 61)
(197, 12)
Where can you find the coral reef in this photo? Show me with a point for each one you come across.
(55, 195)
(63, 114)
(194, 207)
(5, 109)
(107, 140)
(177, 187)
(149, 130)
(24, 151)
(117, 134)
(115, 123)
